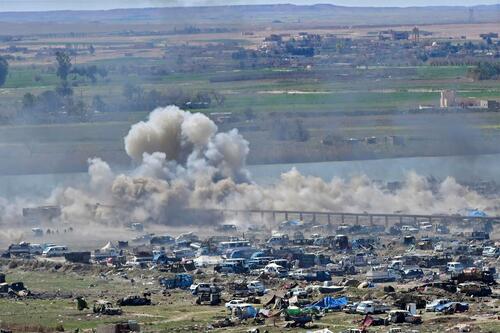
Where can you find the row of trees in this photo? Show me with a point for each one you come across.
(485, 71)
(61, 100)
(4, 70)
(65, 69)
(138, 99)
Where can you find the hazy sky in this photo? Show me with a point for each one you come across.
(40, 5)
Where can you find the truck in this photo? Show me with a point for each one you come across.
(212, 296)
(181, 281)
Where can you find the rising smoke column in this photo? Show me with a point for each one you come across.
(190, 144)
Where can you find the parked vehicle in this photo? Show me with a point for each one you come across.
(37, 232)
(55, 251)
(371, 307)
(211, 296)
(256, 287)
(19, 250)
(235, 266)
(196, 288)
(436, 303)
(452, 307)
(454, 267)
(36, 249)
(181, 281)
(412, 273)
(409, 229)
(380, 274)
(403, 316)
(234, 303)
(299, 292)
(491, 251)
(474, 289)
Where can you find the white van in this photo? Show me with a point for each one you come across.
(454, 267)
(370, 307)
(275, 270)
(55, 251)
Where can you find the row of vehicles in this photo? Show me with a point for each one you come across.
(25, 249)
(243, 288)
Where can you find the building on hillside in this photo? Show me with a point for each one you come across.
(448, 99)
(492, 105)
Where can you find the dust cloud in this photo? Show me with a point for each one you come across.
(181, 161)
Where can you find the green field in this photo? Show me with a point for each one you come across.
(266, 90)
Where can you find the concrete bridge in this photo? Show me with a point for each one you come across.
(385, 219)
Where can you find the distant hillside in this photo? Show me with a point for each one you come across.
(258, 14)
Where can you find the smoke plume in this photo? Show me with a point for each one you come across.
(182, 161)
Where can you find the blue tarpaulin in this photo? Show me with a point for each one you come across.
(329, 303)
(476, 213)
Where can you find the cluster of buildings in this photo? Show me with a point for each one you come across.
(449, 99)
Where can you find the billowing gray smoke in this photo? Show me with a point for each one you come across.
(183, 161)
(188, 145)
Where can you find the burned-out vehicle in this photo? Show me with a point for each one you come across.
(106, 308)
(135, 300)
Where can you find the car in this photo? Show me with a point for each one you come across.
(299, 292)
(426, 227)
(234, 303)
(491, 251)
(454, 267)
(403, 316)
(412, 273)
(196, 288)
(351, 308)
(256, 287)
(431, 307)
(453, 307)
(409, 228)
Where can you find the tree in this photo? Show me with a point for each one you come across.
(219, 98)
(249, 113)
(28, 101)
(78, 109)
(49, 101)
(63, 65)
(132, 92)
(4, 70)
(64, 89)
(98, 104)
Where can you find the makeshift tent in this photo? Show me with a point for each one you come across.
(329, 303)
